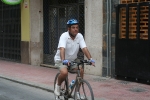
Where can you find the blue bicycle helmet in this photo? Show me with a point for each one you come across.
(72, 22)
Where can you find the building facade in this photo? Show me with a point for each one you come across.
(43, 21)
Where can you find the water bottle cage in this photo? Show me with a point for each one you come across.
(72, 84)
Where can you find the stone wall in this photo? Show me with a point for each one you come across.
(94, 33)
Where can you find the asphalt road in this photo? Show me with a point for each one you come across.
(14, 91)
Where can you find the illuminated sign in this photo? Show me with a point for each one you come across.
(12, 2)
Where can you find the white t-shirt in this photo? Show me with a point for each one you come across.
(71, 46)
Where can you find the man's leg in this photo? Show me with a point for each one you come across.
(63, 74)
(82, 72)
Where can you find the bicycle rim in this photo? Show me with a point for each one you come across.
(63, 91)
(84, 91)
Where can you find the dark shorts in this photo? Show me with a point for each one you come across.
(59, 65)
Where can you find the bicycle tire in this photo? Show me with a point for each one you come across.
(85, 87)
(62, 88)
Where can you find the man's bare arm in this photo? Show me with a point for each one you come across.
(86, 52)
(62, 53)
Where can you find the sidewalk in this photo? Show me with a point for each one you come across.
(103, 88)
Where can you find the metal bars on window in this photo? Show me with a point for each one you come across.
(10, 32)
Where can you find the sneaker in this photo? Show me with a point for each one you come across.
(82, 97)
(57, 90)
(77, 96)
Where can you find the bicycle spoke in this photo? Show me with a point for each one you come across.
(84, 92)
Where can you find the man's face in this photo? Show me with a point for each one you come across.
(74, 29)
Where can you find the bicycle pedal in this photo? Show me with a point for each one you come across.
(63, 91)
(57, 98)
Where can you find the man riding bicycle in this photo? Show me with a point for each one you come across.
(68, 48)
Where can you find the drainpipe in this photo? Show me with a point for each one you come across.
(108, 29)
(107, 37)
(110, 37)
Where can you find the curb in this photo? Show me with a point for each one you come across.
(31, 84)
(40, 86)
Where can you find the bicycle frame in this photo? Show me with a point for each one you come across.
(77, 81)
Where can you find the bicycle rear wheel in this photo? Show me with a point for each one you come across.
(83, 91)
(63, 89)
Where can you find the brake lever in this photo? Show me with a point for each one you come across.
(89, 63)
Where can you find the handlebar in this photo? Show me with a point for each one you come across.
(72, 63)
(79, 63)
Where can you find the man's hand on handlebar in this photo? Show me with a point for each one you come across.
(66, 62)
(92, 62)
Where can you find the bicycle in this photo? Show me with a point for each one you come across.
(80, 86)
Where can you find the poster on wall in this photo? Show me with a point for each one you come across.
(12, 2)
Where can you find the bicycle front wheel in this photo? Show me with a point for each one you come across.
(63, 89)
(83, 91)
